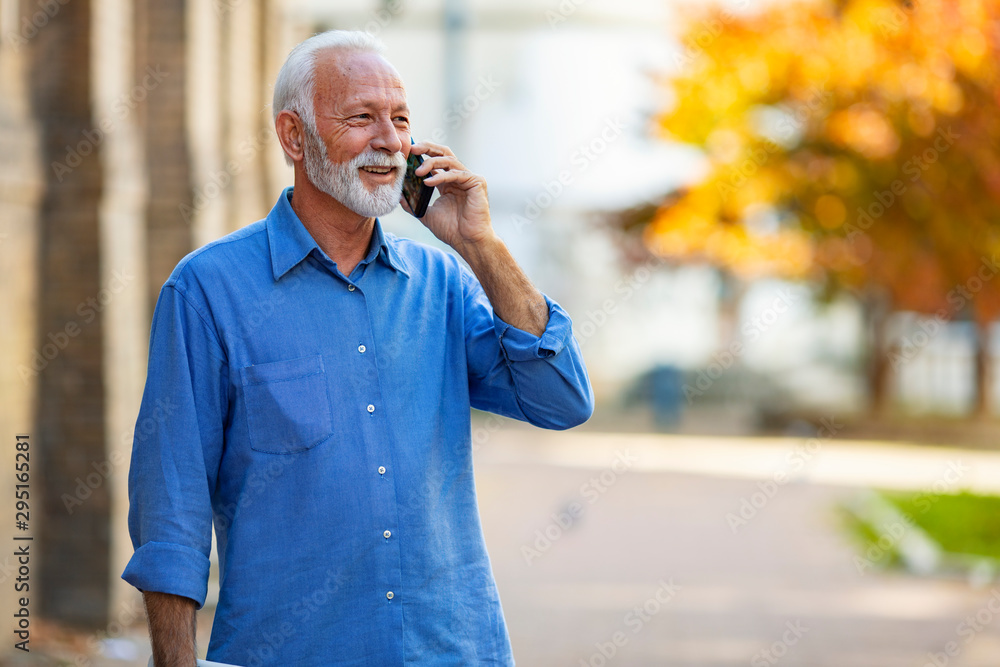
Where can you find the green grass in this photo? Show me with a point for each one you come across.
(962, 523)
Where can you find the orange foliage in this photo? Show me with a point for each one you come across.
(852, 142)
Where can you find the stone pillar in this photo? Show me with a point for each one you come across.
(245, 112)
(279, 38)
(205, 119)
(161, 69)
(71, 430)
(20, 192)
(123, 233)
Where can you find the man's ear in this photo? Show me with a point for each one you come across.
(290, 130)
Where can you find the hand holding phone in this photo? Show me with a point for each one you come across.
(417, 195)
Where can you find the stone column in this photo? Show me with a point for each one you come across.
(20, 192)
(70, 433)
(161, 68)
(245, 112)
(117, 94)
(210, 179)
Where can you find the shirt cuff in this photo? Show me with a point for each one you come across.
(162, 567)
(519, 345)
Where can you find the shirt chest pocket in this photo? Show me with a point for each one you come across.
(287, 405)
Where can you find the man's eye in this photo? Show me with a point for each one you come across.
(363, 115)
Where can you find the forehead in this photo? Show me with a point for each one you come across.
(356, 79)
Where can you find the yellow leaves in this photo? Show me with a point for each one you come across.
(838, 254)
(873, 16)
(721, 94)
(694, 228)
(913, 80)
(724, 145)
(858, 56)
(865, 99)
(754, 75)
(679, 231)
(970, 50)
(816, 68)
(947, 97)
(844, 176)
(865, 130)
(830, 211)
(920, 120)
(939, 64)
(765, 185)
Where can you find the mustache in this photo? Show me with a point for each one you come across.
(373, 158)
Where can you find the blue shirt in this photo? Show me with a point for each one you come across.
(322, 423)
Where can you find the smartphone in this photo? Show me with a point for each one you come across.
(416, 193)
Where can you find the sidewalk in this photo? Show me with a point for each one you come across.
(586, 587)
(817, 460)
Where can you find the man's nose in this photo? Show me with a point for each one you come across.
(387, 137)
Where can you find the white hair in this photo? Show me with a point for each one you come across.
(296, 83)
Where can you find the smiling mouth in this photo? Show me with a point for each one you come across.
(378, 170)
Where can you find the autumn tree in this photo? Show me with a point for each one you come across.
(849, 143)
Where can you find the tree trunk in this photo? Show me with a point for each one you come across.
(982, 372)
(69, 497)
(879, 370)
(731, 295)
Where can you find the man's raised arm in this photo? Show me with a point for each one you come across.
(513, 297)
(461, 218)
(524, 363)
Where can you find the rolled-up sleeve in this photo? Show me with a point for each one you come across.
(538, 379)
(176, 451)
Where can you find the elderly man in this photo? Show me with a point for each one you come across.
(323, 372)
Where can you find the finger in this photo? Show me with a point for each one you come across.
(441, 163)
(462, 179)
(430, 148)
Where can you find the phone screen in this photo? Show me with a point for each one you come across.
(416, 193)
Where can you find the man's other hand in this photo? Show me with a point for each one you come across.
(172, 629)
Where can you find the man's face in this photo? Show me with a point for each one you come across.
(358, 153)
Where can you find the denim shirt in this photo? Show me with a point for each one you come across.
(322, 424)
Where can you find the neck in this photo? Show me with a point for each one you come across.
(341, 233)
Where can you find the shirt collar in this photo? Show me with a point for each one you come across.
(290, 242)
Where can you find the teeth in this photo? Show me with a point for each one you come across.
(377, 170)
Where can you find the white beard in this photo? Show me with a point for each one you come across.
(342, 181)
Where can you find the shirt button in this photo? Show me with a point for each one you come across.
(388, 596)
(350, 288)
(387, 534)
(371, 408)
(361, 349)
(381, 470)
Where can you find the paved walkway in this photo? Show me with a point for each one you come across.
(780, 586)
